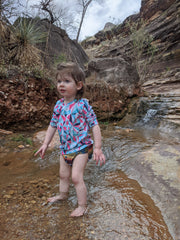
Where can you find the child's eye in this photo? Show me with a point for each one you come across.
(58, 81)
(67, 81)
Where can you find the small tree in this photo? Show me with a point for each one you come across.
(48, 6)
(61, 17)
(84, 4)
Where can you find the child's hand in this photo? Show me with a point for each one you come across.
(42, 150)
(99, 156)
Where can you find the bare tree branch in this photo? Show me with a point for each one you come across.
(47, 5)
(7, 9)
(84, 4)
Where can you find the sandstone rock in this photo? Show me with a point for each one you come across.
(149, 8)
(60, 45)
(111, 83)
(117, 72)
(108, 26)
(160, 76)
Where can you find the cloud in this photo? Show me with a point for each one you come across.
(99, 13)
(110, 11)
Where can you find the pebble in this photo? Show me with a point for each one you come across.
(7, 196)
(21, 146)
(11, 192)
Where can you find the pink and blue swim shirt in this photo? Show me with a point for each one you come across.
(73, 121)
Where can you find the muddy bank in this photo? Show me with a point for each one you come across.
(118, 209)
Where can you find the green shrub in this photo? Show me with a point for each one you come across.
(59, 59)
(21, 138)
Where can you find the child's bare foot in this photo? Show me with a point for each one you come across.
(79, 211)
(60, 197)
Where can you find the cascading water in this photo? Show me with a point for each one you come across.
(156, 111)
(149, 115)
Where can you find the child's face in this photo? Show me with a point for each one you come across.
(67, 87)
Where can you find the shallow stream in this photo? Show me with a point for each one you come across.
(123, 199)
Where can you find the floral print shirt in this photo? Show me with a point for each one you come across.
(73, 121)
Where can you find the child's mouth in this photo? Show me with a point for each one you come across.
(62, 91)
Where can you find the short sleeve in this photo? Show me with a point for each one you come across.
(56, 114)
(89, 114)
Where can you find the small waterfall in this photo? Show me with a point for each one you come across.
(150, 111)
(149, 115)
(162, 112)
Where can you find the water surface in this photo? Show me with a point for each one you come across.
(118, 207)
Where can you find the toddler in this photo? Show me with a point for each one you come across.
(73, 117)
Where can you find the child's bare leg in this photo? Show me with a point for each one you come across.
(65, 172)
(78, 168)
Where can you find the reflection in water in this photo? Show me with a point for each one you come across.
(118, 209)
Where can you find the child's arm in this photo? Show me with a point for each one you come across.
(97, 153)
(49, 135)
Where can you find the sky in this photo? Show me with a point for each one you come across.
(100, 12)
(114, 11)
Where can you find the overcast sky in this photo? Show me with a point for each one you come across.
(100, 12)
(111, 11)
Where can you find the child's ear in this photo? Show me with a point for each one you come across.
(79, 85)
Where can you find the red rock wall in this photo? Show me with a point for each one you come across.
(26, 103)
(151, 7)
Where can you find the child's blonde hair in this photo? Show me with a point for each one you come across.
(73, 70)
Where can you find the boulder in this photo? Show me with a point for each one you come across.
(113, 81)
(59, 46)
(108, 26)
(117, 72)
